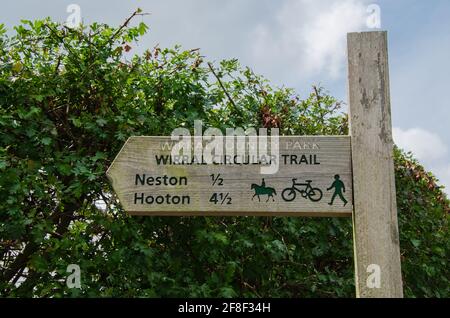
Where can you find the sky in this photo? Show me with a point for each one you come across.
(300, 43)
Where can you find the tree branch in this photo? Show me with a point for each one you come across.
(221, 85)
(125, 24)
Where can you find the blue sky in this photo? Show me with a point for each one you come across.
(298, 43)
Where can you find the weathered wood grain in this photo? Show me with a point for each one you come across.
(137, 157)
(376, 237)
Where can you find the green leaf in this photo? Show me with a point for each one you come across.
(227, 292)
(415, 242)
(101, 122)
(142, 28)
(46, 141)
(3, 164)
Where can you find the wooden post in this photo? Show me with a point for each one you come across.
(375, 227)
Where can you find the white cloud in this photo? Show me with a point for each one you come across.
(310, 36)
(425, 145)
(429, 149)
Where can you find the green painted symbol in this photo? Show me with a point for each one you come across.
(339, 187)
(263, 190)
(305, 189)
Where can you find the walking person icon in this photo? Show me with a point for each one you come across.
(339, 187)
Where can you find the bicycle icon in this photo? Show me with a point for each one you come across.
(314, 194)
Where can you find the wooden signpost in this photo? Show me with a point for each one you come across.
(326, 176)
(375, 227)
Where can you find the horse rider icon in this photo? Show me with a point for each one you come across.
(263, 190)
